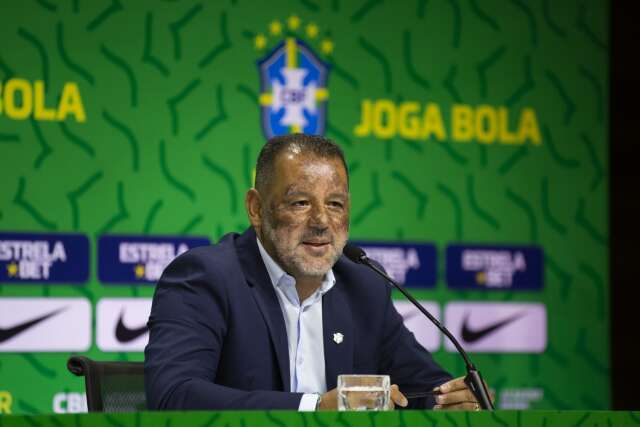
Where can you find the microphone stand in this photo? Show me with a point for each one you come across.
(473, 379)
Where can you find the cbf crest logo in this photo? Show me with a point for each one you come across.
(293, 79)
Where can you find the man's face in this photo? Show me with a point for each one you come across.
(305, 213)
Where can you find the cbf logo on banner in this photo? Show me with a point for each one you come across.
(44, 258)
(293, 81)
(140, 259)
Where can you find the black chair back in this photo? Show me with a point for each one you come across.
(111, 386)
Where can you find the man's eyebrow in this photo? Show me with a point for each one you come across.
(339, 195)
(292, 190)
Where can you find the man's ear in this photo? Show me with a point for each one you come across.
(253, 205)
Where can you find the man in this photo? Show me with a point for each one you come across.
(268, 319)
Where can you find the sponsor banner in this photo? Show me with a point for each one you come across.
(519, 398)
(45, 324)
(44, 258)
(495, 267)
(410, 264)
(425, 332)
(140, 259)
(121, 324)
(497, 327)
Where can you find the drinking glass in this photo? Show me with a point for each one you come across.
(364, 392)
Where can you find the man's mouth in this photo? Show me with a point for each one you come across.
(315, 244)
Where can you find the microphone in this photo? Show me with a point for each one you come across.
(473, 379)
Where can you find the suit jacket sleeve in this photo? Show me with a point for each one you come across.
(187, 331)
(408, 363)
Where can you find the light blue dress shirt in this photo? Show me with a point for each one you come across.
(303, 321)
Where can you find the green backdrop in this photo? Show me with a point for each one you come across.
(170, 92)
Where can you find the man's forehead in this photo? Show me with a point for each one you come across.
(306, 163)
(307, 187)
(304, 173)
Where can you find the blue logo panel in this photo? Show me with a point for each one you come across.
(44, 258)
(495, 267)
(410, 264)
(140, 259)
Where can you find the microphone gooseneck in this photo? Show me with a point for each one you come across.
(473, 379)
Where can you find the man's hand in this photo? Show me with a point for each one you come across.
(329, 400)
(454, 395)
(397, 398)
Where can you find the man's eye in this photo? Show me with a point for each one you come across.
(336, 204)
(299, 203)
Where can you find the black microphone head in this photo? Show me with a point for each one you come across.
(354, 253)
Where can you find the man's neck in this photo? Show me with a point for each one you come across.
(306, 286)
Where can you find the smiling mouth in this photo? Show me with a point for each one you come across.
(316, 244)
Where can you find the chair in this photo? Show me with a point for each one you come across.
(111, 386)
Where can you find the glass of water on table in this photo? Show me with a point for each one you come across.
(364, 392)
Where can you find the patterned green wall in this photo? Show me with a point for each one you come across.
(171, 95)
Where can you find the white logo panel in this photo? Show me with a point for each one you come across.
(425, 332)
(45, 324)
(70, 403)
(498, 327)
(122, 324)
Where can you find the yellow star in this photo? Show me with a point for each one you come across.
(275, 28)
(481, 278)
(139, 269)
(293, 22)
(260, 41)
(12, 269)
(326, 46)
(312, 31)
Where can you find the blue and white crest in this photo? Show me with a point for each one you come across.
(293, 86)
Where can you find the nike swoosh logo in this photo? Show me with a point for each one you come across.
(472, 335)
(124, 334)
(8, 333)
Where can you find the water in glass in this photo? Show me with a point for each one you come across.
(363, 392)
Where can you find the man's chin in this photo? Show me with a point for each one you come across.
(312, 268)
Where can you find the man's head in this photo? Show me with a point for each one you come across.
(300, 204)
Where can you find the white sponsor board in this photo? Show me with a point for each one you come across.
(121, 324)
(45, 324)
(503, 327)
(425, 332)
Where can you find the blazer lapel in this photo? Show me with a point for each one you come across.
(339, 336)
(266, 299)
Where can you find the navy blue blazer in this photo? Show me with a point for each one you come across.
(218, 338)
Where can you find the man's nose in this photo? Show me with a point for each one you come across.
(319, 217)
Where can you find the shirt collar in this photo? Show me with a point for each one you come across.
(278, 276)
